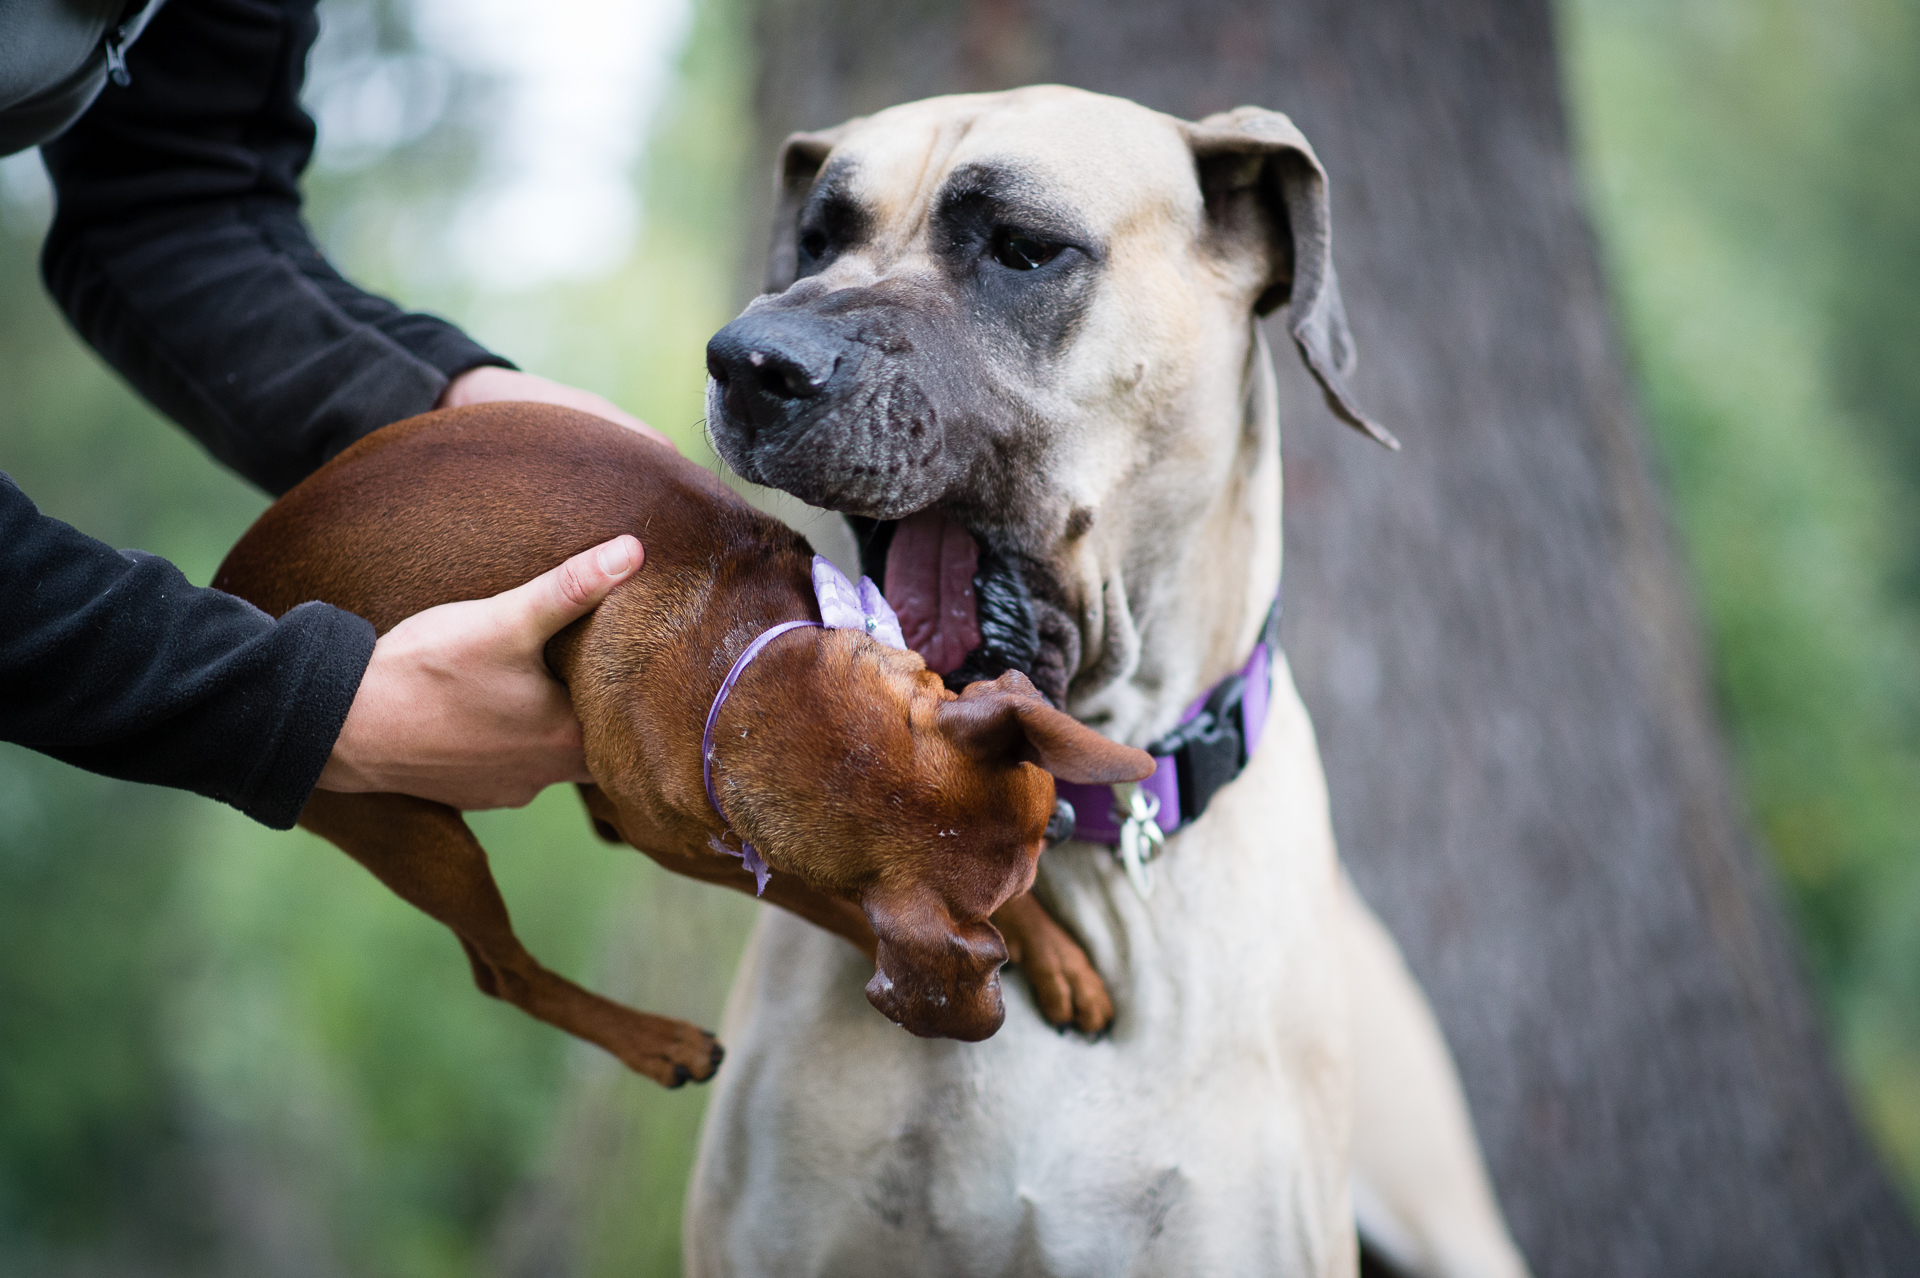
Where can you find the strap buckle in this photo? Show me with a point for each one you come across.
(1141, 838)
(1209, 750)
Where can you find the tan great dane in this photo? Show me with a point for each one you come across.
(1013, 337)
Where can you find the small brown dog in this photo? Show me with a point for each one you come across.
(891, 811)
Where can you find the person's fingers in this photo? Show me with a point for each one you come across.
(621, 417)
(564, 594)
(490, 384)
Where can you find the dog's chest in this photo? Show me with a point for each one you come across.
(1205, 1134)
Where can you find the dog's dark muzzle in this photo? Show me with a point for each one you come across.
(844, 399)
(770, 369)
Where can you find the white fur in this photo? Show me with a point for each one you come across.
(840, 1145)
(1209, 1132)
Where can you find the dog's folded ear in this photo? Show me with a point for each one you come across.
(801, 157)
(1007, 718)
(1265, 187)
(934, 976)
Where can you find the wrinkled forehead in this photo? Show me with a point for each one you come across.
(1105, 162)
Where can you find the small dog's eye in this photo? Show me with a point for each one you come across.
(1022, 252)
(814, 243)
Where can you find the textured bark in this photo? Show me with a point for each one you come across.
(1491, 628)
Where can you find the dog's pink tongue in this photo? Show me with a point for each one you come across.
(930, 567)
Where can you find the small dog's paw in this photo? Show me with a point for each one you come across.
(671, 1053)
(683, 1075)
(1070, 993)
(1066, 987)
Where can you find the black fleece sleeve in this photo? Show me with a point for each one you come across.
(178, 251)
(111, 661)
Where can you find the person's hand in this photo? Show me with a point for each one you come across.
(457, 705)
(490, 384)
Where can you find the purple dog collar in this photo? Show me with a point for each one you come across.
(843, 606)
(1216, 737)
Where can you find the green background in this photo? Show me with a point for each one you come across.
(224, 1050)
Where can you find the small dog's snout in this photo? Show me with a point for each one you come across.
(763, 366)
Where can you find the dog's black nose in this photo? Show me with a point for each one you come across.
(764, 363)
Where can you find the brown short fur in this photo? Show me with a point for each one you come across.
(892, 812)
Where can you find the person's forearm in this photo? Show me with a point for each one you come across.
(179, 253)
(229, 336)
(113, 662)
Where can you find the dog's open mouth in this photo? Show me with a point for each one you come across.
(931, 564)
(964, 606)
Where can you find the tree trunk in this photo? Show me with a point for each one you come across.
(1490, 629)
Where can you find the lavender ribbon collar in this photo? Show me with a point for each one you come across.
(843, 606)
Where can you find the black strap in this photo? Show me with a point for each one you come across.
(1210, 750)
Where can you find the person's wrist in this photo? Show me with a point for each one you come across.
(350, 767)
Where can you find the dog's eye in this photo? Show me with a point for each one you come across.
(814, 243)
(1022, 252)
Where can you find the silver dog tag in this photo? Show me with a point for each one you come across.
(1140, 835)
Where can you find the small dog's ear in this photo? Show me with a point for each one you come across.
(1007, 718)
(932, 976)
(799, 163)
(1255, 166)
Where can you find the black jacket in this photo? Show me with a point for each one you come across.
(111, 661)
(179, 253)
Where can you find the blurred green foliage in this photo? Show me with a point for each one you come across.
(226, 1050)
(1754, 167)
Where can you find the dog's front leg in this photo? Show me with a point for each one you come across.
(1420, 1188)
(618, 824)
(1065, 984)
(427, 855)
